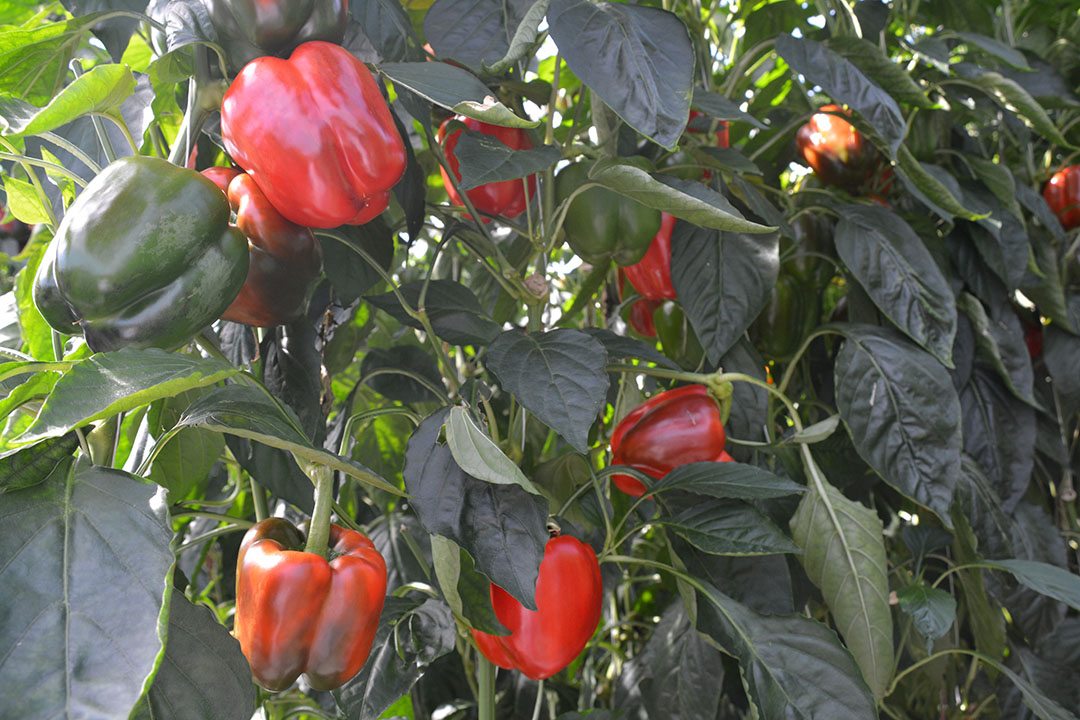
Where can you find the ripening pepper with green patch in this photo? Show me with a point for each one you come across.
(144, 257)
(248, 29)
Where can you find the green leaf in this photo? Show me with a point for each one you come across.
(525, 35)
(473, 32)
(386, 25)
(722, 108)
(454, 89)
(558, 376)
(899, 274)
(792, 667)
(724, 527)
(929, 189)
(686, 199)
(31, 465)
(845, 84)
(452, 308)
(1000, 343)
(392, 383)
(844, 555)
(1011, 96)
(502, 527)
(639, 60)
(727, 480)
(107, 383)
(34, 62)
(723, 280)
(1010, 55)
(999, 432)
(203, 673)
(101, 90)
(903, 413)
(248, 412)
(932, 610)
(87, 570)
(818, 431)
(1049, 580)
(478, 456)
(411, 636)
(620, 346)
(484, 159)
(466, 591)
(998, 179)
(24, 201)
(886, 73)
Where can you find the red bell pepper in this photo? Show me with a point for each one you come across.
(568, 597)
(285, 260)
(507, 197)
(837, 151)
(721, 129)
(315, 134)
(1062, 194)
(641, 311)
(651, 276)
(669, 429)
(297, 613)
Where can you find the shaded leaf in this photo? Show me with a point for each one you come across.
(727, 480)
(932, 610)
(28, 466)
(452, 308)
(729, 528)
(485, 159)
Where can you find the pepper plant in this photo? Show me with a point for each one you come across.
(555, 382)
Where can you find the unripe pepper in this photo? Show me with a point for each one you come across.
(651, 276)
(144, 257)
(677, 336)
(814, 245)
(602, 225)
(1062, 194)
(790, 313)
(285, 260)
(297, 613)
(837, 151)
(505, 198)
(568, 602)
(248, 29)
(315, 134)
(672, 428)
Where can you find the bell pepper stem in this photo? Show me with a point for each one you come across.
(485, 696)
(258, 497)
(319, 533)
(539, 698)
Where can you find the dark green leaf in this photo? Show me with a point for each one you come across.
(723, 281)
(349, 273)
(1049, 580)
(524, 36)
(727, 480)
(484, 159)
(386, 25)
(394, 385)
(999, 432)
(903, 414)
(203, 673)
(899, 274)
(502, 527)
(637, 59)
(845, 84)
(411, 636)
(558, 376)
(887, 74)
(86, 564)
(454, 89)
(619, 346)
(115, 32)
(927, 186)
(108, 383)
(473, 32)
(275, 469)
(932, 610)
(31, 465)
(844, 555)
(721, 108)
(466, 591)
(791, 666)
(1000, 344)
(724, 527)
(454, 311)
(1061, 350)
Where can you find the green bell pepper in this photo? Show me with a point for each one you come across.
(601, 224)
(144, 257)
(791, 312)
(677, 337)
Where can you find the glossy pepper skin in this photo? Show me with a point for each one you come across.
(651, 276)
(836, 150)
(677, 337)
(790, 312)
(568, 596)
(248, 29)
(315, 134)
(640, 313)
(285, 260)
(809, 263)
(602, 225)
(297, 613)
(669, 429)
(506, 198)
(1062, 194)
(144, 257)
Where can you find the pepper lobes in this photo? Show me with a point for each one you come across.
(315, 134)
(651, 275)
(672, 428)
(144, 257)
(285, 260)
(297, 613)
(506, 197)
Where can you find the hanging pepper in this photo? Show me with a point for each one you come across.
(836, 150)
(669, 429)
(144, 257)
(506, 198)
(297, 613)
(568, 596)
(285, 260)
(651, 276)
(315, 134)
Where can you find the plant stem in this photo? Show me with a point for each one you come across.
(258, 496)
(485, 695)
(539, 696)
(319, 532)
